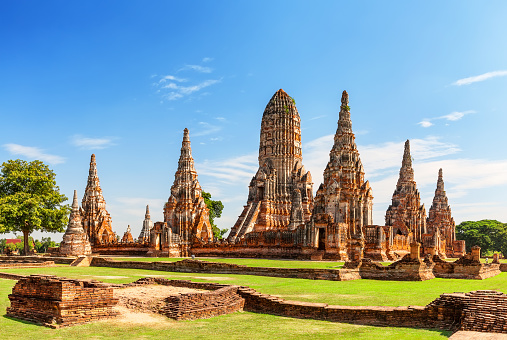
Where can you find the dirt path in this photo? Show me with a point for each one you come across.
(146, 298)
(465, 335)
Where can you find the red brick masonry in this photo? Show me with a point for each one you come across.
(54, 302)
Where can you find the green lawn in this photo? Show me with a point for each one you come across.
(250, 325)
(242, 325)
(351, 293)
(248, 262)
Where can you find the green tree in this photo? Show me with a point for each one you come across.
(3, 244)
(215, 211)
(20, 246)
(30, 199)
(490, 235)
(43, 245)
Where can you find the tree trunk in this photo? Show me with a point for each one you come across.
(26, 248)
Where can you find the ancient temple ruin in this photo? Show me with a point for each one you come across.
(280, 196)
(281, 218)
(96, 219)
(144, 236)
(186, 216)
(343, 204)
(406, 214)
(440, 225)
(75, 240)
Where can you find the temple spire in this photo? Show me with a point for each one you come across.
(93, 167)
(186, 162)
(406, 170)
(186, 137)
(440, 181)
(147, 215)
(407, 158)
(75, 241)
(75, 204)
(344, 122)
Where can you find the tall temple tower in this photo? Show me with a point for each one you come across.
(144, 236)
(186, 213)
(343, 204)
(75, 241)
(439, 216)
(96, 219)
(280, 194)
(406, 214)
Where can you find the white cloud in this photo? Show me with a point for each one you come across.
(33, 153)
(482, 77)
(172, 78)
(177, 91)
(207, 60)
(317, 117)
(425, 123)
(206, 129)
(236, 170)
(92, 143)
(453, 116)
(197, 68)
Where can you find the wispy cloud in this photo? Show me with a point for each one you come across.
(453, 116)
(88, 143)
(425, 123)
(197, 68)
(482, 77)
(176, 91)
(33, 153)
(236, 170)
(317, 117)
(207, 60)
(171, 78)
(206, 129)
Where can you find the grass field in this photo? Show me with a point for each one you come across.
(250, 325)
(248, 262)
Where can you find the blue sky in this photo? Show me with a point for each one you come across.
(122, 79)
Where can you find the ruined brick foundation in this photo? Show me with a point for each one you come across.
(56, 302)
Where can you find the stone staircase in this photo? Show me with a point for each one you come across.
(82, 261)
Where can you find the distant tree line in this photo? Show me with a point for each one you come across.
(39, 246)
(490, 235)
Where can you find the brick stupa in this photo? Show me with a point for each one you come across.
(343, 204)
(439, 216)
(144, 236)
(96, 219)
(280, 194)
(75, 241)
(406, 214)
(186, 213)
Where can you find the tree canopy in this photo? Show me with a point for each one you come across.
(215, 211)
(490, 235)
(30, 199)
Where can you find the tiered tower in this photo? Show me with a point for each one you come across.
(406, 214)
(273, 190)
(144, 236)
(96, 219)
(343, 204)
(439, 215)
(127, 236)
(75, 241)
(186, 213)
